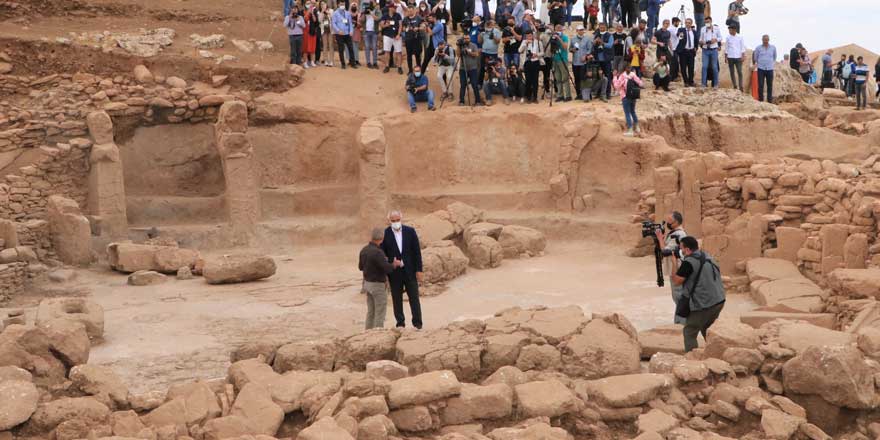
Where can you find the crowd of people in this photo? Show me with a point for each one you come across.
(510, 53)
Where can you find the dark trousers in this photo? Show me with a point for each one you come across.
(547, 70)
(531, 69)
(607, 72)
(630, 13)
(465, 77)
(686, 65)
(343, 41)
(296, 44)
(318, 47)
(579, 72)
(765, 76)
(698, 323)
(413, 49)
(673, 66)
(484, 60)
(661, 83)
(399, 283)
(429, 54)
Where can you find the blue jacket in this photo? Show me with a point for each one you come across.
(411, 255)
(341, 22)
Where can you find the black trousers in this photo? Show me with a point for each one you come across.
(413, 49)
(399, 283)
(686, 65)
(429, 54)
(765, 77)
(341, 42)
(531, 69)
(607, 71)
(547, 70)
(579, 73)
(673, 66)
(661, 83)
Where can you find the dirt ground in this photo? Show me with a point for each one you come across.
(180, 330)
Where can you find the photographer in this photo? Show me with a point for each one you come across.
(412, 31)
(531, 53)
(417, 89)
(556, 12)
(469, 65)
(295, 25)
(582, 53)
(700, 279)
(496, 82)
(444, 59)
(489, 40)
(559, 46)
(391, 29)
(516, 84)
(594, 82)
(603, 42)
(546, 33)
(512, 40)
(503, 11)
(671, 243)
(734, 11)
(442, 15)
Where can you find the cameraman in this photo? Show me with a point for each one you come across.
(417, 89)
(444, 59)
(531, 53)
(581, 52)
(512, 39)
(516, 84)
(734, 11)
(700, 278)
(295, 25)
(496, 83)
(489, 40)
(603, 42)
(469, 65)
(412, 31)
(559, 45)
(670, 242)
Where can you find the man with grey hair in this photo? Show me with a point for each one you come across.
(375, 267)
(402, 243)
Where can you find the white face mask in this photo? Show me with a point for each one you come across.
(396, 225)
(417, 74)
(341, 7)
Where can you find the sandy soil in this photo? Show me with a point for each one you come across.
(182, 330)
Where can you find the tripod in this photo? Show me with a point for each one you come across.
(681, 14)
(567, 74)
(658, 260)
(449, 84)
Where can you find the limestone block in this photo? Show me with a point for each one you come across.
(855, 251)
(70, 230)
(833, 239)
(106, 198)
(100, 127)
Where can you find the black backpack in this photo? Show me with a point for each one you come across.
(633, 91)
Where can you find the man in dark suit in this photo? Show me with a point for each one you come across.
(402, 243)
(687, 51)
(472, 8)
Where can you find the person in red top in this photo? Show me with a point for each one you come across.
(621, 84)
(310, 36)
(592, 15)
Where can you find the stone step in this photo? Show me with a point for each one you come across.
(304, 200)
(148, 211)
(506, 197)
(309, 230)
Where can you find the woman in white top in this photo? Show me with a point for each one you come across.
(532, 57)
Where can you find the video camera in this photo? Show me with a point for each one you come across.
(649, 229)
(555, 43)
(462, 42)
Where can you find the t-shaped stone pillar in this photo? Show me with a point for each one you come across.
(372, 188)
(239, 170)
(106, 201)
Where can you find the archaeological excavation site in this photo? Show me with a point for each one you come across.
(181, 216)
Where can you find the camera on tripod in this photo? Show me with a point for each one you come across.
(555, 43)
(649, 229)
(462, 42)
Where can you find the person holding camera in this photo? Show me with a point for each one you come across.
(582, 53)
(369, 22)
(296, 26)
(661, 74)
(444, 59)
(594, 82)
(412, 37)
(391, 27)
(671, 252)
(703, 291)
(469, 66)
(496, 81)
(489, 40)
(559, 43)
(710, 41)
(531, 53)
(734, 12)
(417, 89)
(604, 47)
(511, 39)
(516, 84)
(556, 12)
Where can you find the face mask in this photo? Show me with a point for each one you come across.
(342, 7)
(423, 8)
(417, 74)
(396, 226)
(442, 6)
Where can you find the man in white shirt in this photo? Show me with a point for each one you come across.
(673, 48)
(734, 50)
(710, 41)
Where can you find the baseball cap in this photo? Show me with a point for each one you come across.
(529, 12)
(579, 27)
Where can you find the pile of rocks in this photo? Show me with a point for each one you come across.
(453, 238)
(145, 43)
(522, 375)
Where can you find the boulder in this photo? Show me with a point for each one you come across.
(545, 399)
(29, 348)
(771, 269)
(143, 75)
(146, 278)
(434, 227)
(414, 419)
(171, 259)
(601, 349)
(443, 261)
(378, 427)
(88, 313)
(798, 336)
(307, 355)
(100, 382)
(491, 230)
(450, 348)
(665, 339)
(126, 424)
(389, 370)
(147, 401)
(629, 390)
(18, 403)
(70, 230)
(195, 404)
(726, 333)
(50, 414)
(130, 258)
(229, 427)
(538, 357)
(68, 340)
(855, 283)
(518, 240)
(484, 252)
(359, 350)
(540, 430)
(839, 374)
(462, 215)
(503, 350)
(10, 372)
(799, 294)
(423, 388)
(779, 425)
(324, 429)
(239, 268)
(254, 402)
(478, 403)
(657, 421)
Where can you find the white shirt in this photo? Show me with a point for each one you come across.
(398, 237)
(370, 23)
(689, 39)
(673, 38)
(735, 47)
(707, 34)
(478, 8)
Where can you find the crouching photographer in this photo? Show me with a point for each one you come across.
(417, 89)
(496, 82)
(670, 251)
(704, 296)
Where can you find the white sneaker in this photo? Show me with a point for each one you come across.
(637, 129)
(522, 100)
(306, 66)
(628, 132)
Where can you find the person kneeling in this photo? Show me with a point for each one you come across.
(594, 83)
(496, 83)
(661, 74)
(417, 89)
(704, 292)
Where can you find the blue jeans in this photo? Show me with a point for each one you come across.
(700, 20)
(424, 95)
(296, 45)
(568, 12)
(371, 49)
(710, 61)
(629, 111)
(489, 88)
(615, 12)
(653, 20)
(511, 59)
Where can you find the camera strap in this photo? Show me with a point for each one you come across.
(699, 272)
